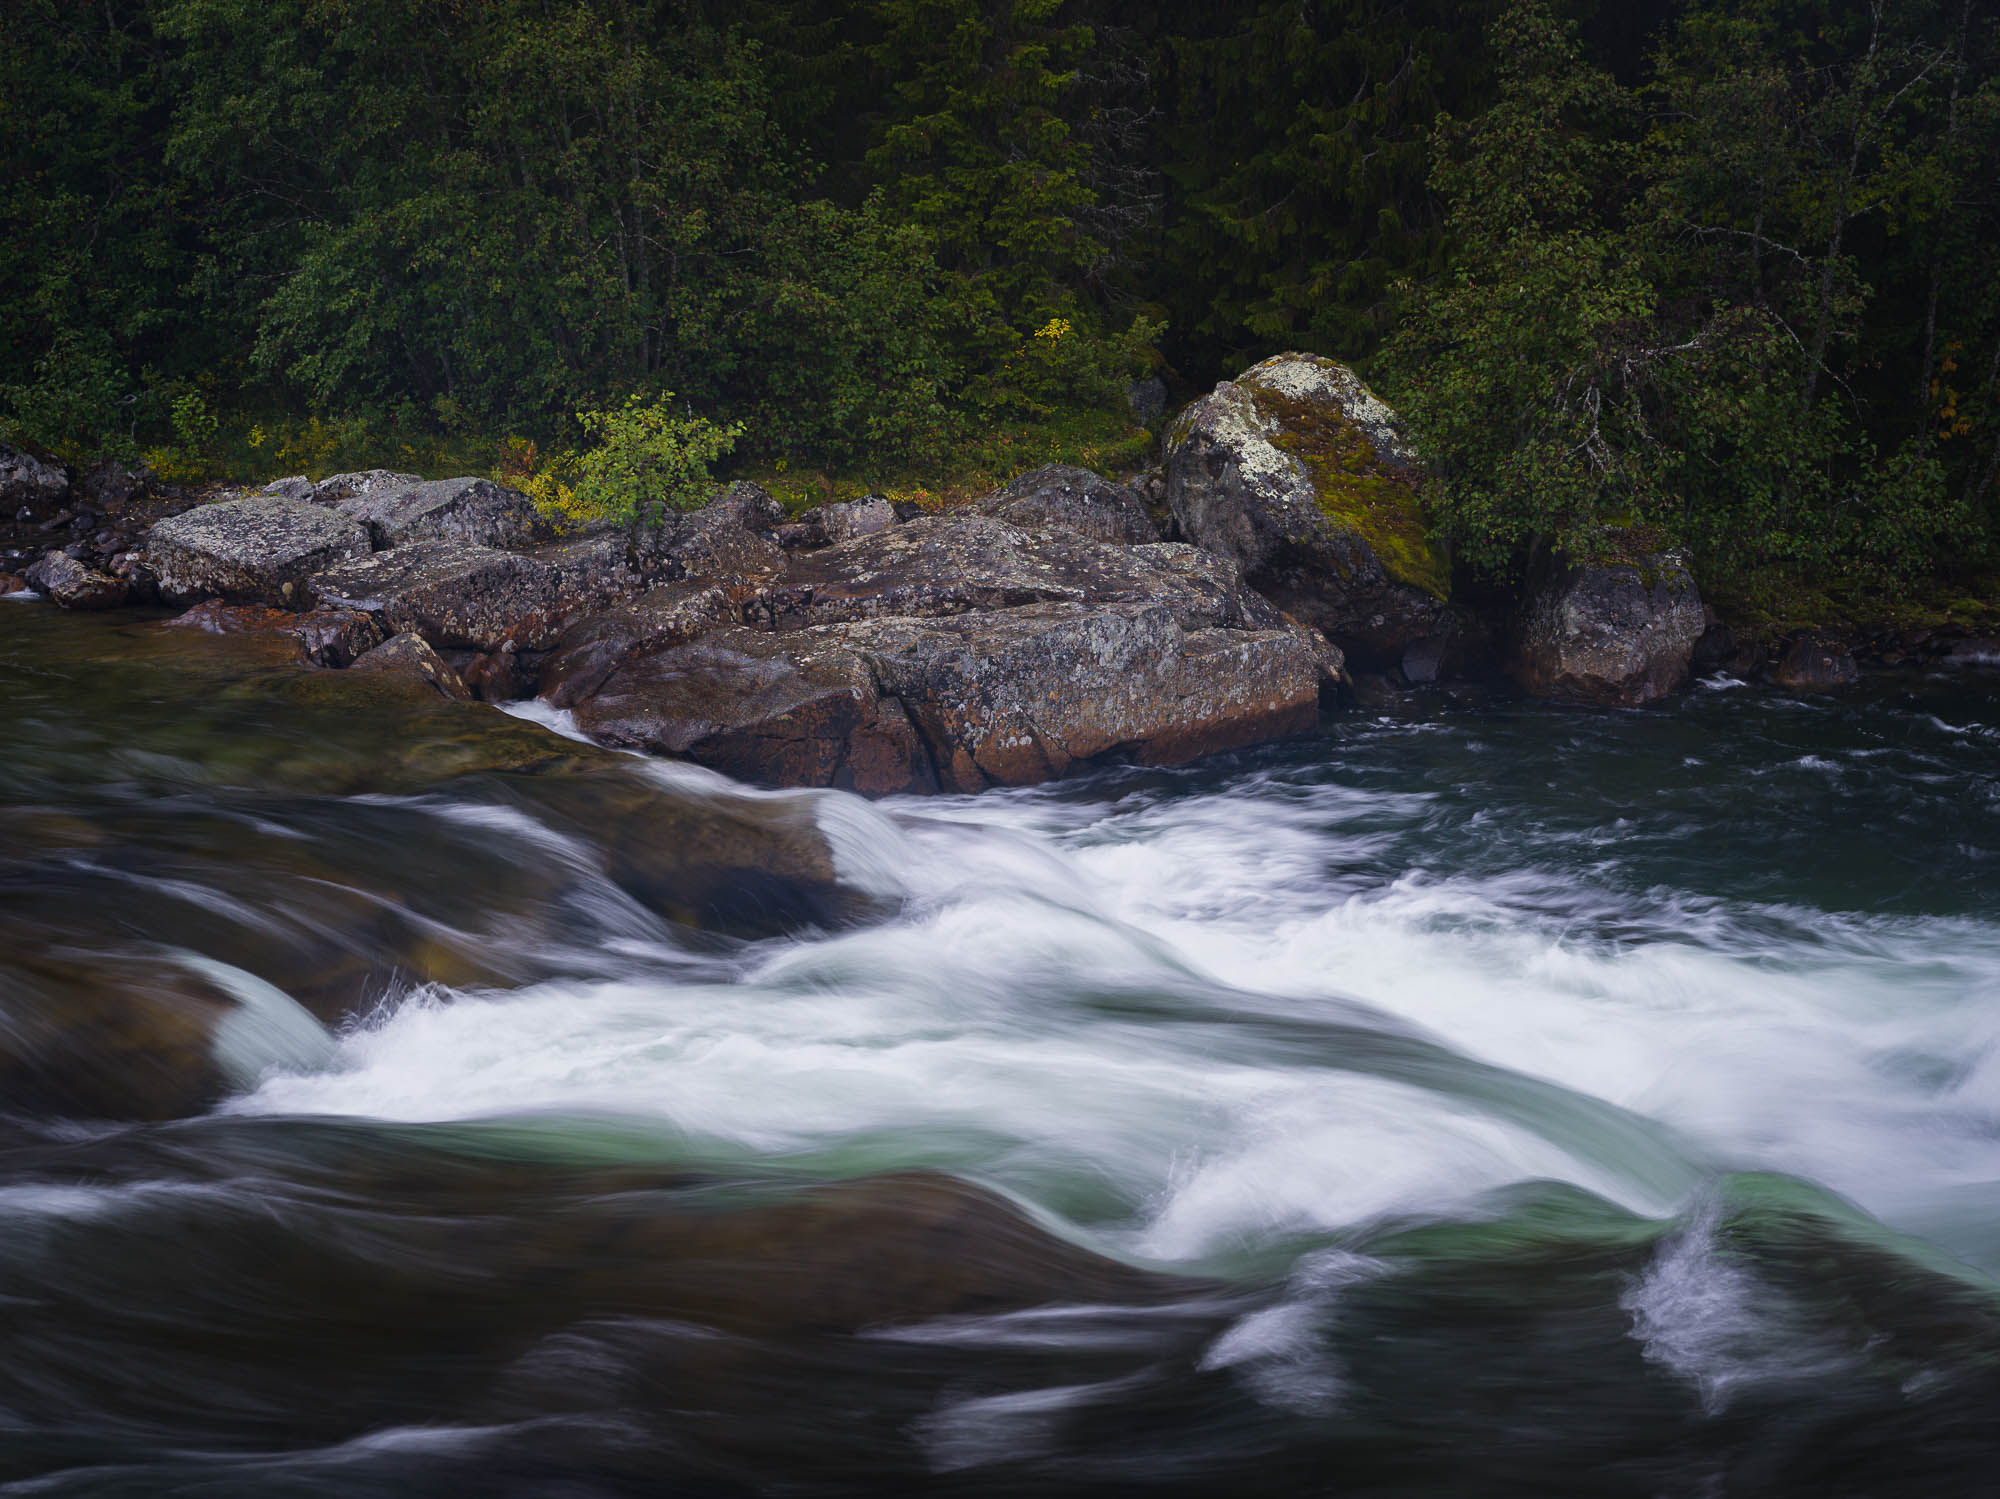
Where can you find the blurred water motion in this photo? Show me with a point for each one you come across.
(1521, 1102)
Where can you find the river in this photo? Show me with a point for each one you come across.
(1471, 1099)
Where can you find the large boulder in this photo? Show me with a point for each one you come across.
(253, 551)
(1060, 494)
(1016, 696)
(952, 564)
(1296, 471)
(959, 702)
(30, 484)
(793, 710)
(1618, 634)
(456, 594)
(728, 542)
(475, 511)
(69, 583)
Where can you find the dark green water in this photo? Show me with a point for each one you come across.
(1468, 1102)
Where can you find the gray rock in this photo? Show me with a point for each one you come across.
(297, 487)
(1060, 494)
(476, 511)
(1297, 472)
(453, 594)
(72, 585)
(1023, 695)
(1816, 663)
(952, 564)
(728, 542)
(410, 656)
(30, 484)
(595, 646)
(249, 551)
(338, 487)
(1618, 634)
(1006, 697)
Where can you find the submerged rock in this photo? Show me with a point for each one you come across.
(1296, 471)
(74, 586)
(1618, 634)
(255, 551)
(1060, 494)
(325, 637)
(137, 1038)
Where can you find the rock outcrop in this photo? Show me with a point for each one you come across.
(254, 551)
(1617, 634)
(410, 657)
(1296, 472)
(1060, 494)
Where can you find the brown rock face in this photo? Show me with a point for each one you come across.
(1296, 471)
(1618, 635)
(325, 637)
(409, 655)
(798, 710)
(473, 597)
(594, 647)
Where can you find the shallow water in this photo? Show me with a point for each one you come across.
(1497, 1101)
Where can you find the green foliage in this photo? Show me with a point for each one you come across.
(647, 460)
(1596, 362)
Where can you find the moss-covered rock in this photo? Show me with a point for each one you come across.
(1296, 470)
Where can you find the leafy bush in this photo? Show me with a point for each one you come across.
(647, 460)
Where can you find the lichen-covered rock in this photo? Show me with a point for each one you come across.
(1296, 471)
(1816, 663)
(1060, 494)
(842, 520)
(250, 551)
(1016, 696)
(953, 564)
(476, 511)
(338, 487)
(72, 585)
(1618, 634)
(473, 597)
(28, 483)
(791, 710)
(728, 542)
(410, 656)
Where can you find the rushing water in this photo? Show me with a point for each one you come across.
(1463, 1101)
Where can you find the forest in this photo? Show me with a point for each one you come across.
(1717, 271)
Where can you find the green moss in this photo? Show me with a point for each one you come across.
(1357, 489)
(1771, 602)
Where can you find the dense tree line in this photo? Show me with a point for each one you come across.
(1717, 268)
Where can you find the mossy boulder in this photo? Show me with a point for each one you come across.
(1296, 470)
